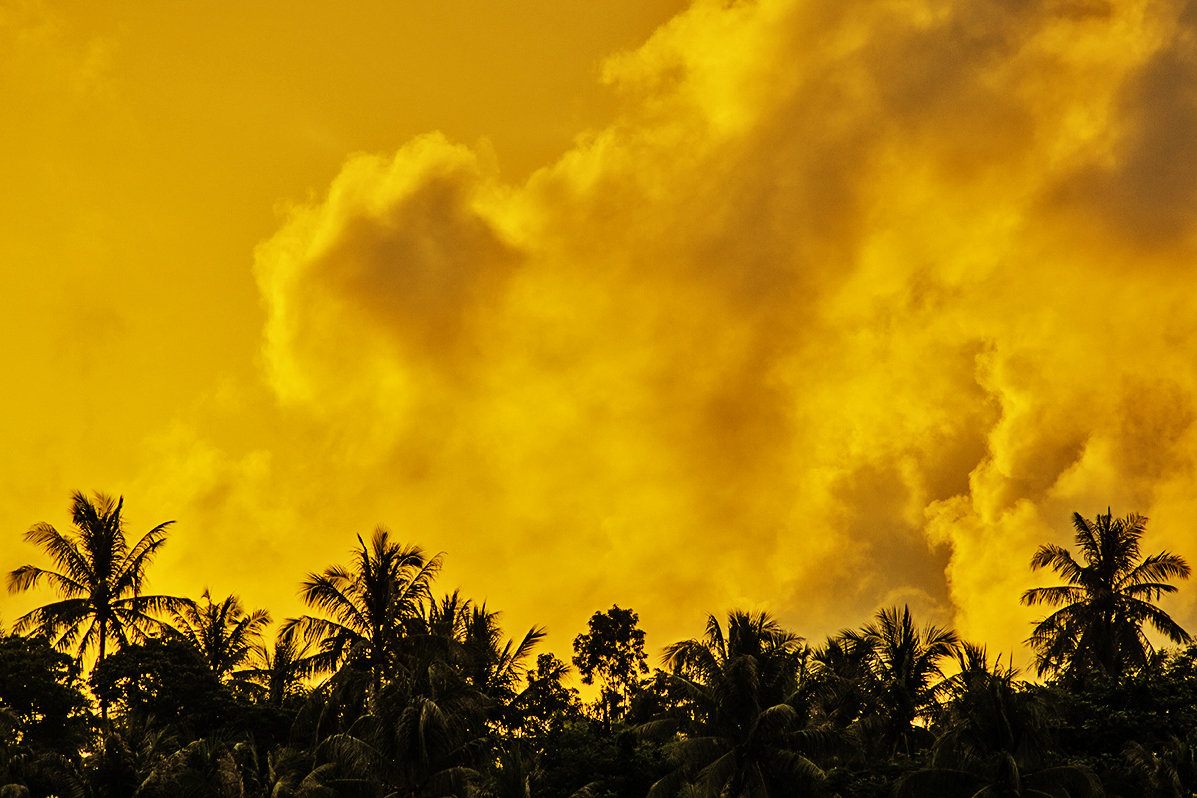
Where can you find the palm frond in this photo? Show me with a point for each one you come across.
(62, 550)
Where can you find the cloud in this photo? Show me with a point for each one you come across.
(853, 304)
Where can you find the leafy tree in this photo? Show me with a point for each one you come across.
(371, 604)
(658, 695)
(1154, 708)
(222, 632)
(39, 686)
(165, 682)
(580, 759)
(1107, 599)
(748, 710)
(612, 651)
(26, 773)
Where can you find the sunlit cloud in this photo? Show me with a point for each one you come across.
(853, 305)
(849, 305)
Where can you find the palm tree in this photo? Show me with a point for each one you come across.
(994, 740)
(277, 673)
(843, 674)
(494, 663)
(904, 677)
(1098, 628)
(747, 711)
(466, 637)
(222, 632)
(100, 578)
(371, 604)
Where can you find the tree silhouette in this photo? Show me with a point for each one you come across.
(40, 687)
(1098, 628)
(371, 603)
(747, 712)
(904, 677)
(495, 664)
(612, 650)
(100, 577)
(222, 632)
(276, 673)
(994, 740)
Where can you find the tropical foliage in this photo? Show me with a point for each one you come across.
(391, 689)
(612, 652)
(371, 606)
(99, 576)
(221, 631)
(1108, 597)
(743, 721)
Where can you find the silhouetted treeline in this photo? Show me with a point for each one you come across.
(389, 687)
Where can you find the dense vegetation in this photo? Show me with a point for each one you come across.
(390, 689)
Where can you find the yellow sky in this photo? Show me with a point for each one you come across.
(787, 305)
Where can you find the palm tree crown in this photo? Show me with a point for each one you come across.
(370, 605)
(743, 691)
(276, 673)
(1109, 595)
(904, 671)
(99, 576)
(222, 632)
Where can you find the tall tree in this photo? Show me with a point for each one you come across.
(370, 604)
(1108, 597)
(468, 638)
(495, 663)
(613, 651)
(100, 577)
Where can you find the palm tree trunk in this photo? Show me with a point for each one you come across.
(99, 659)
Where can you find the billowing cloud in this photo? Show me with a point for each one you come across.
(853, 304)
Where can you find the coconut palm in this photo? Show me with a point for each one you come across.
(371, 604)
(994, 740)
(100, 578)
(1170, 772)
(204, 768)
(904, 676)
(986, 710)
(747, 710)
(276, 673)
(1107, 599)
(469, 638)
(495, 664)
(222, 632)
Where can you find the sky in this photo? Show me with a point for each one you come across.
(783, 305)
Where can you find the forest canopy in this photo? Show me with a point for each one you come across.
(392, 686)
